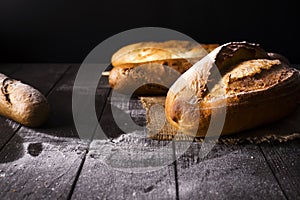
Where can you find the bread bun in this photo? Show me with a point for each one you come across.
(177, 55)
(255, 89)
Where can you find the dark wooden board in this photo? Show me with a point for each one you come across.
(7, 130)
(45, 161)
(7, 127)
(42, 76)
(9, 68)
(227, 172)
(133, 109)
(36, 166)
(284, 160)
(107, 174)
(111, 167)
(52, 162)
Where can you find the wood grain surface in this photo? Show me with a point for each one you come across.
(52, 162)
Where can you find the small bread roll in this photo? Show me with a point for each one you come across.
(254, 88)
(179, 56)
(22, 103)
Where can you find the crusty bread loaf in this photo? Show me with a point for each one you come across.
(22, 103)
(255, 89)
(178, 55)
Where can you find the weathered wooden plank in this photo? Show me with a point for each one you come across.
(227, 172)
(7, 127)
(285, 164)
(46, 160)
(44, 163)
(133, 108)
(130, 166)
(283, 158)
(61, 121)
(7, 130)
(41, 76)
(36, 166)
(111, 170)
(9, 68)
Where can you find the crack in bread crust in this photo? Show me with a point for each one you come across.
(4, 88)
(249, 76)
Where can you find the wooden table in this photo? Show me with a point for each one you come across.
(52, 162)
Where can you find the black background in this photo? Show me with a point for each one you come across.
(66, 31)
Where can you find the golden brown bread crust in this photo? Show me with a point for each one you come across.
(143, 80)
(254, 89)
(145, 52)
(179, 56)
(22, 103)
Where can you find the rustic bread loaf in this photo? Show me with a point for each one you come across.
(179, 56)
(22, 103)
(255, 89)
(145, 52)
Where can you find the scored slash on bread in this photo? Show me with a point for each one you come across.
(253, 86)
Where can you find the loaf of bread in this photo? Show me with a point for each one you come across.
(239, 80)
(22, 103)
(151, 67)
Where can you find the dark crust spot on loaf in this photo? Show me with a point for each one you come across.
(4, 88)
(148, 89)
(176, 111)
(237, 52)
